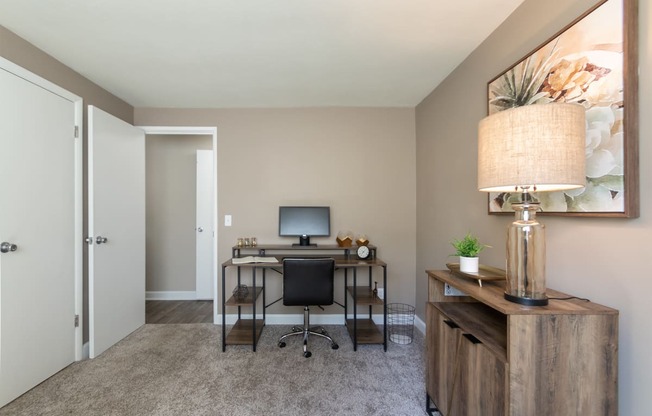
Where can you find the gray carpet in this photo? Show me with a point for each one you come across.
(180, 369)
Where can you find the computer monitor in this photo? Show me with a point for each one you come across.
(304, 222)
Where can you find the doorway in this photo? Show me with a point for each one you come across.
(174, 235)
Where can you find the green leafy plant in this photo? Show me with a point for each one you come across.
(469, 246)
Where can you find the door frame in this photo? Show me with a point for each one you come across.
(78, 187)
(204, 131)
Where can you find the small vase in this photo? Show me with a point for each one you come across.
(469, 264)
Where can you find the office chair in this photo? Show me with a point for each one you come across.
(308, 282)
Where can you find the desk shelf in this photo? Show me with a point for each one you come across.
(241, 332)
(364, 296)
(367, 331)
(247, 300)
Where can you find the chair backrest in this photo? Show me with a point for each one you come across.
(308, 281)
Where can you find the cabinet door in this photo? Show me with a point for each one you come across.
(443, 339)
(480, 385)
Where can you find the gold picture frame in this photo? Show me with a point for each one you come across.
(593, 62)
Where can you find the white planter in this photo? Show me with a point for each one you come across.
(469, 264)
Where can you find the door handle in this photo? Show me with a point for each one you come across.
(100, 240)
(200, 229)
(6, 247)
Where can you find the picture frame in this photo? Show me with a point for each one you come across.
(592, 62)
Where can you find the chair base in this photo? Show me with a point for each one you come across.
(306, 331)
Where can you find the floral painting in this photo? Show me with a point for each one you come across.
(584, 65)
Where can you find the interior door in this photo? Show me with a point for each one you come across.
(116, 225)
(205, 230)
(37, 225)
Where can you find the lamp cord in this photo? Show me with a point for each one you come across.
(571, 297)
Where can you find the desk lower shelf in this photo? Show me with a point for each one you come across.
(241, 332)
(368, 331)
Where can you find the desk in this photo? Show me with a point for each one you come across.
(362, 331)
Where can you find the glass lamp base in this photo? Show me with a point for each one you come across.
(526, 301)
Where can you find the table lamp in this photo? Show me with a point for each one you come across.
(534, 148)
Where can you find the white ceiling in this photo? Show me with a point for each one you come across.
(259, 53)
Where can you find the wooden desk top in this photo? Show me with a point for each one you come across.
(340, 261)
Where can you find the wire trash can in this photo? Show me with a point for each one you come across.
(400, 323)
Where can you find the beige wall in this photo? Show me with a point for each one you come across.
(358, 161)
(171, 164)
(600, 259)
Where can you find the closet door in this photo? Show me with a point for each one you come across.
(37, 232)
(116, 222)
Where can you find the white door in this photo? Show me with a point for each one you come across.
(116, 224)
(205, 233)
(37, 215)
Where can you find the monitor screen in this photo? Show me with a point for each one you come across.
(304, 222)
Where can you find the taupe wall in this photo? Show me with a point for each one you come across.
(601, 259)
(359, 161)
(171, 169)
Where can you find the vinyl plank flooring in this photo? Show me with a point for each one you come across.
(178, 311)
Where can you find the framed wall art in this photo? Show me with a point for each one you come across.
(592, 62)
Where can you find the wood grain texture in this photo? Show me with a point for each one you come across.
(178, 311)
(515, 360)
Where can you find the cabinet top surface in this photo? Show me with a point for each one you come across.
(492, 294)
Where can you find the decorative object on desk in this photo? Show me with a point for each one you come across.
(247, 242)
(240, 292)
(240, 242)
(254, 242)
(344, 239)
(484, 273)
(531, 148)
(363, 252)
(468, 249)
(375, 291)
(362, 240)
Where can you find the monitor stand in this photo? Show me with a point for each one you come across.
(304, 241)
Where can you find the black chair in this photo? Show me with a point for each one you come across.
(308, 282)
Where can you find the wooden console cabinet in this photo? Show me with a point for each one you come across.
(488, 356)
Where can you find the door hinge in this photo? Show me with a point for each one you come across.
(76, 321)
(76, 132)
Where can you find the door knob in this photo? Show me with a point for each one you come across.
(200, 229)
(6, 247)
(99, 239)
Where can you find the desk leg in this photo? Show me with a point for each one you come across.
(355, 312)
(253, 333)
(385, 308)
(370, 288)
(223, 309)
(346, 294)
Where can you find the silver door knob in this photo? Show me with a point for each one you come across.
(99, 239)
(88, 240)
(6, 247)
(200, 229)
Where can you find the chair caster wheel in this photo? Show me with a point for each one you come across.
(281, 344)
(335, 346)
(307, 354)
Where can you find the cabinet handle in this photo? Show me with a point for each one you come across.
(451, 324)
(472, 338)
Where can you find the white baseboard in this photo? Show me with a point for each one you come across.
(171, 295)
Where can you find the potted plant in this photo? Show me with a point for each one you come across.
(468, 249)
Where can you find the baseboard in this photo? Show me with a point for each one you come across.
(171, 295)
